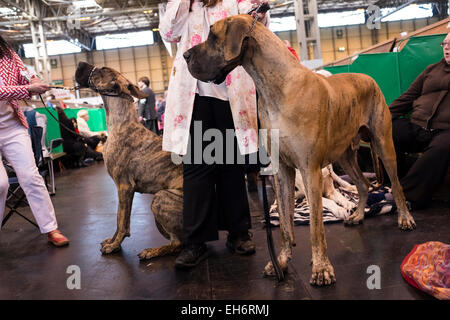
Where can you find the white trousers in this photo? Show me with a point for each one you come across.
(15, 146)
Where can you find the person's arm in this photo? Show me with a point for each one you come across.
(22, 80)
(14, 93)
(404, 104)
(171, 25)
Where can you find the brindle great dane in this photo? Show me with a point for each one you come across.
(135, 161)
(319, 121)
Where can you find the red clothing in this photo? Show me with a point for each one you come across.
(294, 53)
(14, 84)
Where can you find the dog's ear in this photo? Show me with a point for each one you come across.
(136, 92)
(124, 86)
(236, 31)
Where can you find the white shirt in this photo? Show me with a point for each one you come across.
(84, 129)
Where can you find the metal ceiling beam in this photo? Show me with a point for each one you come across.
(97, 14)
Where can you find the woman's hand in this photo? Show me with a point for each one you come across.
(35, 79)
(37, 87)
(261, 15)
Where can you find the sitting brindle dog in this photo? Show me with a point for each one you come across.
(135, 161)
(319, 121)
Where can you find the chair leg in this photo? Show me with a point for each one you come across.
(13, 209)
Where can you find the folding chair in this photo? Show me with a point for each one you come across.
(48, 155)
(16, 197)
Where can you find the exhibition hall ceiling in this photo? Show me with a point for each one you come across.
(83, 20)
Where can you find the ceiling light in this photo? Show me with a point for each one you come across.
(85, 4)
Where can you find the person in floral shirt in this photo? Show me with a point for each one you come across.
(214, 193)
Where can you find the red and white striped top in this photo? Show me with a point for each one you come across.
(14, 84)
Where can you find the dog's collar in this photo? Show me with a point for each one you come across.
(110, 93)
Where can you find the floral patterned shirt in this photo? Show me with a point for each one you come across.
(189, 28)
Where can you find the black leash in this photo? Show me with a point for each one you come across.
(273, 257)
(57, 120)
(263, 8)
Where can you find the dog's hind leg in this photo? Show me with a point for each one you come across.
(126, 194)
(284, 182)
(349, 163)
(384, 148)
(167, 208)
(322, 270)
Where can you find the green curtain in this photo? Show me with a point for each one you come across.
(97, 121)
(395, 71)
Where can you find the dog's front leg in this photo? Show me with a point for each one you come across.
(322, 270)
(284, 188)
(126, 194)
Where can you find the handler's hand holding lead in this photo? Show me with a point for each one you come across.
(38, 87)
(261, 11)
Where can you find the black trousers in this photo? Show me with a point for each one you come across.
(215, 195)
(92, 141)
(421, 180)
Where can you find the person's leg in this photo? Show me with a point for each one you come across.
(18, 152)
(199, 210)
(4, 186)
(428, 172)
(90, 153)
(92, 141)
(231, 189)
(404, 136)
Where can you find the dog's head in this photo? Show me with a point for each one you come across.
(106, 80)
(224, 50)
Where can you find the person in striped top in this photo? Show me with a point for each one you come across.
(15, 143)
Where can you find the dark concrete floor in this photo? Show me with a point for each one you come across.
(86, 203)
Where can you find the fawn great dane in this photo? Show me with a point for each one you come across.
(319, 120)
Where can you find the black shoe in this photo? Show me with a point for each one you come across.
(191, 255)
(242, 244)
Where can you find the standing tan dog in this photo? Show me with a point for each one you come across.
(135, 161)
(319, 121)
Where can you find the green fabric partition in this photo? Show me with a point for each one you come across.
(97, 121)
(395, 71)
(97, 118)
(418, 54)
(382, 67)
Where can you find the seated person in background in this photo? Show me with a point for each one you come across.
(91, 138)
(73, 143)
(426, 130)
(75, 124)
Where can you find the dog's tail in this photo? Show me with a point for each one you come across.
(377, 168)
(366, 135)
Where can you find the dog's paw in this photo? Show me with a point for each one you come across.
(354, 219)
(322, 275)
(107, 241)
(269, 270)
(406, 222)
(148, 254)
(108, 248)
